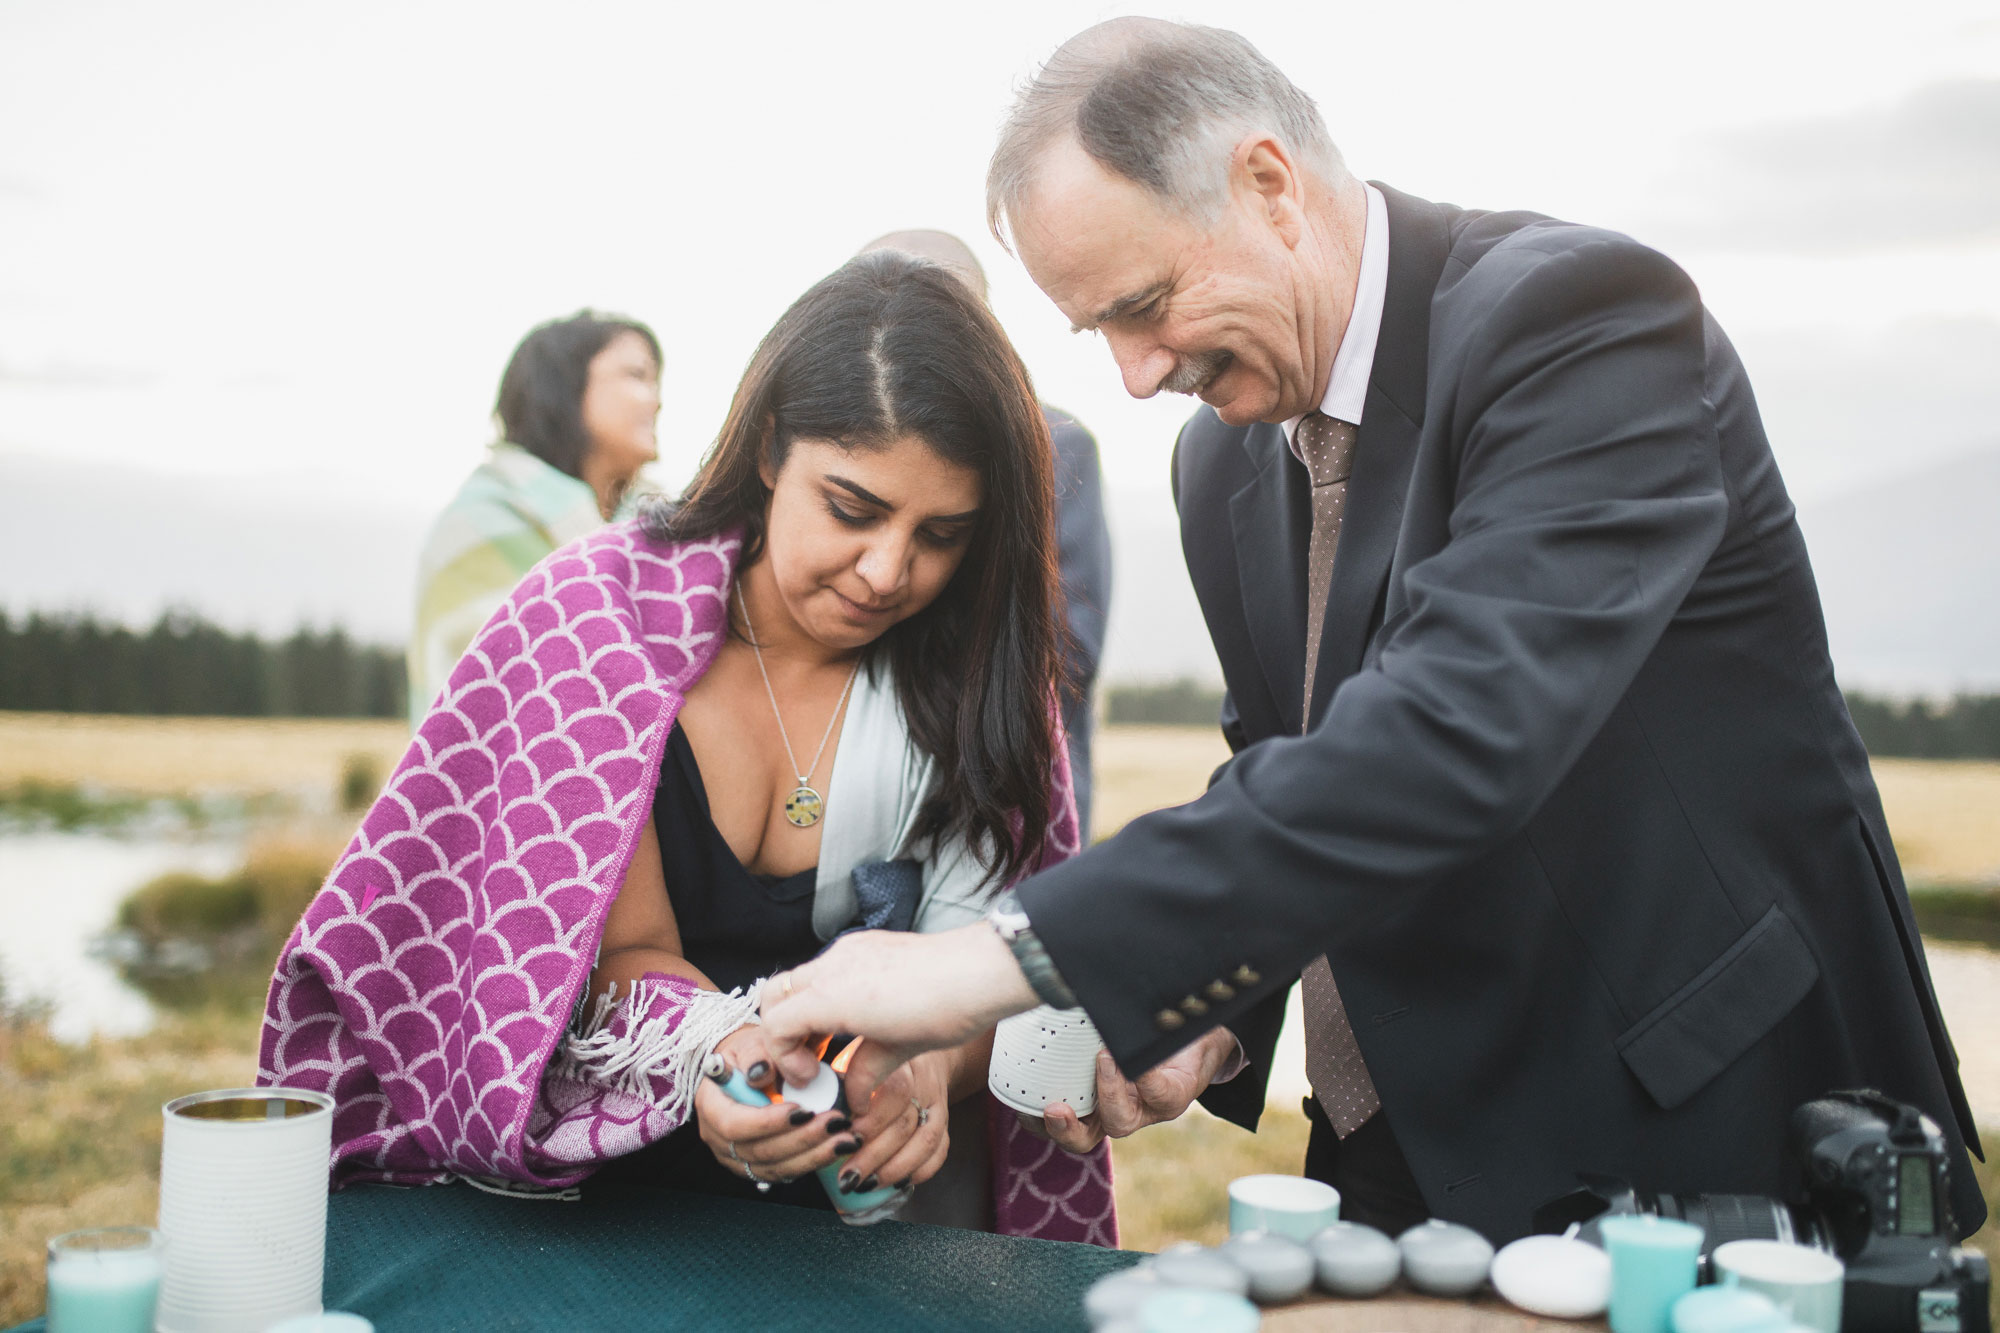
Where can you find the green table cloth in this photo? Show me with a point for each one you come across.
(452, 1257)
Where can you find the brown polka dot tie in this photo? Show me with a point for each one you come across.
(1333, 1060)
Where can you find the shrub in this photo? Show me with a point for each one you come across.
(360, 780)
(179, 905)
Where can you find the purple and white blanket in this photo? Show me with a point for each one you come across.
(431, 982)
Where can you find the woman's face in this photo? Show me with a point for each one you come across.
(621, 404)
(860, 539)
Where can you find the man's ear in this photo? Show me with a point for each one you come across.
(1263, 175)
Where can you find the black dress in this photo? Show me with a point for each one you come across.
(736, 927)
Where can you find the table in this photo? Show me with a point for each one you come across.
(453, 1258)
(1410, 1313)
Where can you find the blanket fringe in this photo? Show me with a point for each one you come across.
(670, 1044)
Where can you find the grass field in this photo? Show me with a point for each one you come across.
(1945, 817)
(191, 756)
(80, 1128)
(1943, 814)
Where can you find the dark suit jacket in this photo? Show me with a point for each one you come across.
(1084, 551)
(1581, 820)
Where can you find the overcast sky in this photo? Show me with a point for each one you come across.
(292, 245)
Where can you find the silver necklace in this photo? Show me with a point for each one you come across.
(805, 805)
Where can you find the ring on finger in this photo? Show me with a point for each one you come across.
(923, 1113)
(763, 1186)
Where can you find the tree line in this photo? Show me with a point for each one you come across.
(1964, 727)
(183, 665)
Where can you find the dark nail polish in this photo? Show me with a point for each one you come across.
(902, 1184)
(846, 1146)
(758, 1072)
(801, 1117)
(848, 1180)
(840, 1124)
(869, 1186)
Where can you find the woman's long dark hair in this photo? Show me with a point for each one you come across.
(890, 346)
(540, 405)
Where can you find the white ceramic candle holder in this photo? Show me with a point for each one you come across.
(243, 1182)
(1045, 1055)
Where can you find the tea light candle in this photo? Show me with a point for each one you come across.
(1279, 1268)
(1194, 1311)
(1118, 1297)
(1555, 1276)
(105, 1280)
(1445, 1259)
(1355, 1260)
(1727, 1310)
(1652, 1266)
(1191, 1265)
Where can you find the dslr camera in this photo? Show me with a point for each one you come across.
(1869, 1184)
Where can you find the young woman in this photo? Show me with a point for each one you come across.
(577, 411)
(815, 694)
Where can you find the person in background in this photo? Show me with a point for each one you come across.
(577, 410)
(1083, 540)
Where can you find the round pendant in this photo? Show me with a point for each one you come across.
(804, 808)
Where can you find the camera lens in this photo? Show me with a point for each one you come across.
(1727, 1217)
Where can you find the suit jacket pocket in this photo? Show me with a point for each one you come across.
(1699, 1030)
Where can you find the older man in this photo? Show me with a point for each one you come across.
(1541, 777)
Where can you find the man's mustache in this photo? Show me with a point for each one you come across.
(1193, 372)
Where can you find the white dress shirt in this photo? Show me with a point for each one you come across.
(1347, 386)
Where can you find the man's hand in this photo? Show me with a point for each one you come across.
(1163, 1092)
(905, 993)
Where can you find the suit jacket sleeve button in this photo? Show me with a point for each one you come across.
(1194, 1006)
(1246, 976)
(1168, 1019)
(1221, 992)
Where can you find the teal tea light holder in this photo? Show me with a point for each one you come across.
(1653, 1263)
(105, 1280)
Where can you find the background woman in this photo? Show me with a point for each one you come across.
(816, 694)
(577, 409)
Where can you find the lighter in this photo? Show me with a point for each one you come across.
(822, 1094)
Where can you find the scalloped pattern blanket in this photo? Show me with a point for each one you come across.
(433, 977)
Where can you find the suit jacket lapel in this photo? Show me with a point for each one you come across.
(1386, 444)
(1271, 520)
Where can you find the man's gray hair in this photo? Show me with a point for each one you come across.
(1163, 105)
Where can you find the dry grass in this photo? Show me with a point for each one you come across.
(184, 756)
(1945, 818)
(1147, 768)
(1170, 1178)
(1943, 814)
(80, 1131)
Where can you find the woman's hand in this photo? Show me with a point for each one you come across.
(905, 1131)
(772, 1143)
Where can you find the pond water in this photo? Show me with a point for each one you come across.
(58, 891)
